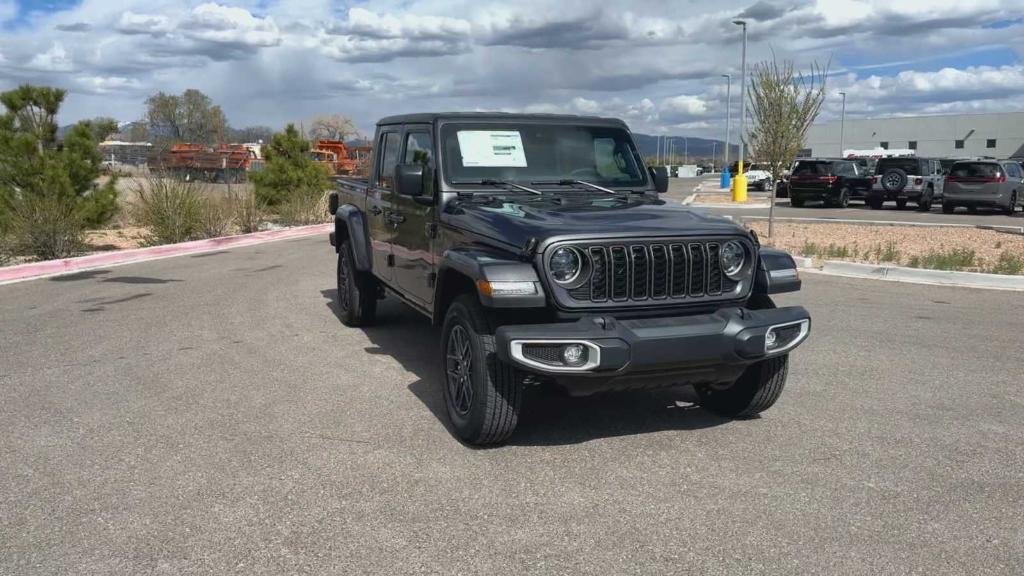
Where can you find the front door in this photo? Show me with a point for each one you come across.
(379, 204)
(413, 242)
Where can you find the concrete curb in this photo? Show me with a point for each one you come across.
(808, 220)
(689, 199)
(913, 275)
(33, 270)
(732, 206)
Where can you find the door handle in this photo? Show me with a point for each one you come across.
(395, 218)
(376, 211)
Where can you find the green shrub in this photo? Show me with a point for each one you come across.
(1008, 263)
(289, 171)
(955, 259)
(887, 252)
(216, 217)
(172, 209)
(307, 207)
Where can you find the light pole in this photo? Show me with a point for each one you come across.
(726, 180)
(842, 127)
(686, 150)
(739, 191)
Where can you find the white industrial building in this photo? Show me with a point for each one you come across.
(999, 135)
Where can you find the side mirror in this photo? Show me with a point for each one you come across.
(409, 179)
(660, 176)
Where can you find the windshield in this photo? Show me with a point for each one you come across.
(805, 168)
(541, 153)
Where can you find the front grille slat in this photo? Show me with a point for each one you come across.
(684, 269)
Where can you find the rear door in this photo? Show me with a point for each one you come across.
(379, 201)
(413, 242)
(811, 177)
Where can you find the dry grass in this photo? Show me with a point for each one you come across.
(966, 249)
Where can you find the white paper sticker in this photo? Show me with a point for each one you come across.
(492, 148)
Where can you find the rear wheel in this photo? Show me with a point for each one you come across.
(1012, 207)
(482, 394)
(875, 203)
(925, 203)
(357, 291)
(901, 203)
(844, 198)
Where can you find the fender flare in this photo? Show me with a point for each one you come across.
(776, 273)
(478, 265)
(350, 223)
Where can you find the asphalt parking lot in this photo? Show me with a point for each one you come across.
(680, 188)
(210, 414)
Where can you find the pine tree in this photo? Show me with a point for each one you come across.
(48, 190)
(289, 171)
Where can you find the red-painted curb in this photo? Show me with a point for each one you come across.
(69, 265)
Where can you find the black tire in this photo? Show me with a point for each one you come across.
(757, 389)
(357, 291)
(948, 208)
(901, 203)
(1012, 207)
(875, 203)
(796, 202)
(972, 209)
(924, 204)
(844, 198)
(482, 401)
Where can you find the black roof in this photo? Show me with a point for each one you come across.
(431, 117)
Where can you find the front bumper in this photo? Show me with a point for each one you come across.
(643, 353)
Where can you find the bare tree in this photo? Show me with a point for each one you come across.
(784, 103)
(332, 127)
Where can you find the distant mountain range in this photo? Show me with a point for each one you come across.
(702, 148)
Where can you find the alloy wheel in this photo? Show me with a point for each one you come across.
(459, 366)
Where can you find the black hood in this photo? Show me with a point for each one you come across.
(514, 220)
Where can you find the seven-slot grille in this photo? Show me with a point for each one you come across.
(632, 272)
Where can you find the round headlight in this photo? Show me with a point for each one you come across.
(565, 265)
(733, 258)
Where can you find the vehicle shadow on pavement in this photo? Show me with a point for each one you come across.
(549, 417)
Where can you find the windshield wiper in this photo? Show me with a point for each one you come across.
(573, 183)
(490, 182)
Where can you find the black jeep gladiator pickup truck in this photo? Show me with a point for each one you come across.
(540, 246)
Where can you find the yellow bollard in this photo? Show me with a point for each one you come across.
(739, 185)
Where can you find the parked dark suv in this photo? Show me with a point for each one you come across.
(835, 182)
(984, 183)
(539, 245)
(906, 180)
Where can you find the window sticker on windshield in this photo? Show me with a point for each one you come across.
(492, 148)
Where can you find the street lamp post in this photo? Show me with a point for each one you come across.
(726, 180)
(842, 127)
(686, 150)
(739, 190)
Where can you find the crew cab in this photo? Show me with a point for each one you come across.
(834, 182)
(539, 246)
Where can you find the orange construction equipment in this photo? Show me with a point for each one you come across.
(226, 162)
(336, 156)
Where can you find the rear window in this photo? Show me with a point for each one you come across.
(812, 168)
(975, 170)
(908, 165)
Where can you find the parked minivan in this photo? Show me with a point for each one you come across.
(986, 183)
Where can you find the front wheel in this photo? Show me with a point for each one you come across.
(482, 394)
(1009, 210)
(901, 203)
(756, 390)
(875, 203)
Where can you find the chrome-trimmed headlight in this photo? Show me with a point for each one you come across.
(566, 265)
(733, 257)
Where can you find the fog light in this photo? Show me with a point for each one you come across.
(786, 336)
(769, 339)
(574, 355)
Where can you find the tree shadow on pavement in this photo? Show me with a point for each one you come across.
(549, 416)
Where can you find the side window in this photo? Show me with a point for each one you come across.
(418, 148)
(390, 146)
(1013, 170)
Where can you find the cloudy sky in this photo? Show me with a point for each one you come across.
(656, 64)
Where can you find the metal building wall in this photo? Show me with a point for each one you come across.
(935, 135)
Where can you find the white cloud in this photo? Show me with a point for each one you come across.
(685, 105)
(365, 23)
(152, 24)
(109, 84)
(228, 25)
(56, 59)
